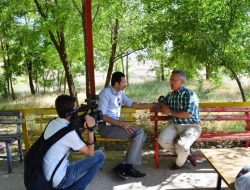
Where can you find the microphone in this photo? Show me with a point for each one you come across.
(161, 100)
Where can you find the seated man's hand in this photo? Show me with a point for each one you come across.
(158, 107)
(165, 109)
(151, 105)
(155, 107)
(129, 128)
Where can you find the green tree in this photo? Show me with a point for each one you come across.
(10, 52)
(118, 32)
(210, 34)
(55, 20)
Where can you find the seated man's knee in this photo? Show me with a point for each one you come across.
(180, 147)
(165, 144)
(99, 155)
(139, 131)
(161, 142)
(166, 139)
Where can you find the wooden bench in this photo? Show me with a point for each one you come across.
(35, 119)
(213, 112)
(10, 131)
(227, 163)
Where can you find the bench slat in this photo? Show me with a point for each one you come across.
(13, 121)
(207, 117)
(220, 109)
(224, 117)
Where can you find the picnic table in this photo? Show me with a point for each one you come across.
(227, 163)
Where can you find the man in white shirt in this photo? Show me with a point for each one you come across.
(110, 101)
(76, 175)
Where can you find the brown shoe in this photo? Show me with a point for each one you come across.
(192, 159)
(175, 167)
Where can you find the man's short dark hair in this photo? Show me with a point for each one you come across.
(179, 72)
(64, 105)
(116, 77)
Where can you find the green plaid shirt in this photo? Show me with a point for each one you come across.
(184, 100)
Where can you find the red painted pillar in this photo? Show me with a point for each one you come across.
(248, 122)
(90, 53)
(247, 129)
(156, 140)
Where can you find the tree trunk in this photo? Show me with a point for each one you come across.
(59, 81)
(9, 74)
(59, 44)
(123, 68)
(162, 71)
(4, 48)
(12, 89)
(36, 82)
(54, 85)
(30, 74)
(44, 83)
(64, 84)
(127, 74)
(114, 35)
(208, 71)
(239, 84)
(61, 49)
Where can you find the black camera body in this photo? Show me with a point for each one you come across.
(78, 118)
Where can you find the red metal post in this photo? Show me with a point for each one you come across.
(248, 122)
(90, 53)
(156, 141)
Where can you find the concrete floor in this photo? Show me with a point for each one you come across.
(201, 177)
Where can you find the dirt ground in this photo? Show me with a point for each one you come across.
(201, 177)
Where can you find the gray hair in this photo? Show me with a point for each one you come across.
(180, 73)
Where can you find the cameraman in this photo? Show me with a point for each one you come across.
(110, 102)
(76, 175)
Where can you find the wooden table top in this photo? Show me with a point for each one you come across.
(228, 162)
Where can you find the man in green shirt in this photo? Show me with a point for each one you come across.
(183, 128)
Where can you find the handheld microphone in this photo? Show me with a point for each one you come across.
(161, 100)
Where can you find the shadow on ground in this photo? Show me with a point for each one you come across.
(201, 177)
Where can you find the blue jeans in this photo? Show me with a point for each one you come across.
(80, 173)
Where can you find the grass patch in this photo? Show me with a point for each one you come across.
(227, 126)
(147, 91)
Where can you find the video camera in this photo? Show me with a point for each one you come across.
(161, 100)
(78, 119)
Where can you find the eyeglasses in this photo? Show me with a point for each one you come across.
(174, 80)
(118, 101)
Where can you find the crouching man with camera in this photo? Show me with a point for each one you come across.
(75, 175)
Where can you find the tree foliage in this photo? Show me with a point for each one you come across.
(207, 34)
(44, 41)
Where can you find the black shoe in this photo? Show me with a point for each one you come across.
(131, 171)
(120, 171)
